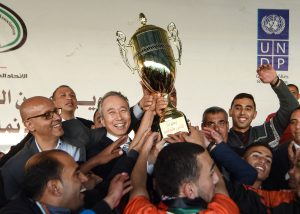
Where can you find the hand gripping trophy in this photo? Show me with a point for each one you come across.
(155, 63)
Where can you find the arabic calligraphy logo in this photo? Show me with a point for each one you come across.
(13, 30)
(273, 24)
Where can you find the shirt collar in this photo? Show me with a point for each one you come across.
(114, 138)
(46, 208)
(59, 142)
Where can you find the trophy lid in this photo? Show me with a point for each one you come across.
(145, 27)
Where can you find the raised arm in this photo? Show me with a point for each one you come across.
(139, 173)
(276, 126)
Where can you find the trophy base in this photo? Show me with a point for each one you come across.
(171, 122)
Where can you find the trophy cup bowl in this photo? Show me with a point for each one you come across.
(156, 65)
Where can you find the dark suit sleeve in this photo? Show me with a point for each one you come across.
(135, 122)
(87, 123)
(238, 168)
(15, 149)
(78, 134)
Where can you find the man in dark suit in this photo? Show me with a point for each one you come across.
(116, 118)
(43, 121)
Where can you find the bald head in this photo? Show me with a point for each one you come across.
(42, 119)
(53, 155)
(30, 106)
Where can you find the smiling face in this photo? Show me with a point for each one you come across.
(242, 113)
(115, 115)
(260, 158)
(41, 127)
(71, 184)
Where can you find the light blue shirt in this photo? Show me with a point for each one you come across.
(61, 145)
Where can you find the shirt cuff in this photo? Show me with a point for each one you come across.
(150, 168)
(137, 111)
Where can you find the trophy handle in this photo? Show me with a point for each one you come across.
(176, 40)
(121, 39)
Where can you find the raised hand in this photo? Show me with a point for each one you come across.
(119, 186)
(212, 135)
(109, 153)
(147, 99)
(267, 74)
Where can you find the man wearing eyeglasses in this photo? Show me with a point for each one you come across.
(216, 118)
(43, 121)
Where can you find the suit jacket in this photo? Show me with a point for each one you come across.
(12, 170)
(122, 164)
(87, 123)
(92, 150)
(21, 205)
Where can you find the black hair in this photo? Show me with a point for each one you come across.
(213, 110)
(37, 174)
(293, 85)
(252, 145)
(61, 86)
(242, 96)
(176, 163)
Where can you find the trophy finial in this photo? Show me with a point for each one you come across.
(143, 19)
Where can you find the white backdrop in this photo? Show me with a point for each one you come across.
(73, 42)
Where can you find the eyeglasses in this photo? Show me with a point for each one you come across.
(221, 123)
(48, 115)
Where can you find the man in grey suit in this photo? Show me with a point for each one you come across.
(42, 119)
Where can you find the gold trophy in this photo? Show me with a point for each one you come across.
(155, 63)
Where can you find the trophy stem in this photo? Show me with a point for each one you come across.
(170, 111)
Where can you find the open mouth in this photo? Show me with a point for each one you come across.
(120, 125)
(57, 125)
(83, 189)
(242, 119)
(260, 168)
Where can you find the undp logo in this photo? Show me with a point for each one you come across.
(273, 38)
(273, 24)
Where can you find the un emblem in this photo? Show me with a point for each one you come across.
(273, 24)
